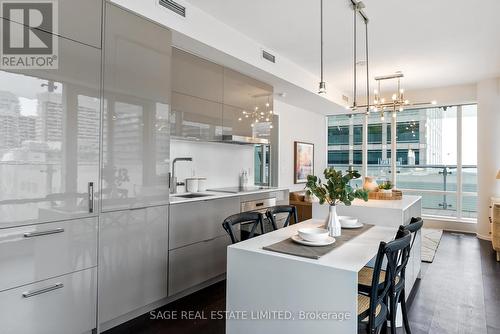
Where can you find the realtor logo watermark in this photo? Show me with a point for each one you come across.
(29, 39)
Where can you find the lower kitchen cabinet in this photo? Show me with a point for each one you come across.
(201, 220)
(133, 259)
(36, 252)
(60, 305)
(196, 263)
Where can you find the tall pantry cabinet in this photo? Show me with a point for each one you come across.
(84, 161)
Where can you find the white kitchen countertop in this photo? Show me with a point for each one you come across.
(174, 199)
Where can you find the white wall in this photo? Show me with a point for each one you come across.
(220, 163)
(297, 124)
(488, 141)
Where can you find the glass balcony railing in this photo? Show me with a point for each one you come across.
(437, 184)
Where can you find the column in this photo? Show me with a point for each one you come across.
(488, 142)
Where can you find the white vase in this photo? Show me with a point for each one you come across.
(370, 184)
(333, 222)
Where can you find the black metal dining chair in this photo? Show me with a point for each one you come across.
(373, 311)
(290, 210)
(251, 219)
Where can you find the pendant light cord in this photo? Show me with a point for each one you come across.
(321, 36)
(367, 70)
(355, 55)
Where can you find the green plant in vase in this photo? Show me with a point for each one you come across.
(334, 190)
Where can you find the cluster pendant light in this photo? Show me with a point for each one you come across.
(259, 114)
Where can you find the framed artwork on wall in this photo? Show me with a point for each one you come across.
(303, 161)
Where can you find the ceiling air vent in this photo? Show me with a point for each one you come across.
(268, 56)
(174, 6)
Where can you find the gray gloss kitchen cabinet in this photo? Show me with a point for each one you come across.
(136, 111)
(197, 95)
(195, 76)
(197, 221)
(197, 241)
(133, 248)
(243, 96)
(50, 147)
(77, 20)
(195, 118)
(197, 263)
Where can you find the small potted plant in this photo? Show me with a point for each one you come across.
(336, 189)
(386, 187)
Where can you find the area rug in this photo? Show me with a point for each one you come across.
(430, 242)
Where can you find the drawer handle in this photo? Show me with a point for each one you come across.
(40, 233)
(56, 286)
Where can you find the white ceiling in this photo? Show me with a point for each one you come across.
(434, 42)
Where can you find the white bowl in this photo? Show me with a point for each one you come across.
(348, 221)
(313, 234)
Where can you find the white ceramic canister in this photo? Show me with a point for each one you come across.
(192, 185)
(202, 184)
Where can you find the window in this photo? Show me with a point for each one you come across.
(338, 135)
(433, 147)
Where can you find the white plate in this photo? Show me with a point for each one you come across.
(358, 225)
(326, 242)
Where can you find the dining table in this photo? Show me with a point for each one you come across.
(270, 289)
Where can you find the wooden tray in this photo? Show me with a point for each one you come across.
(395, 195)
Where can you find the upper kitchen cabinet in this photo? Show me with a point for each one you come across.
(247, 102)
(195, 118)
(194, 76)
(196, 97)
(136, 111)
(75, 19)
(49, 138)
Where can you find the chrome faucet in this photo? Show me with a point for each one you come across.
(173, 179)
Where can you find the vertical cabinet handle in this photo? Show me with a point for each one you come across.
(32, 293)
(91, 197)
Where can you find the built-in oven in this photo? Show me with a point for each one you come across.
(261, 206)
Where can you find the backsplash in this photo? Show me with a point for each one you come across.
(220, 163)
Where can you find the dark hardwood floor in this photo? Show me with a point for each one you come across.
(459, 293)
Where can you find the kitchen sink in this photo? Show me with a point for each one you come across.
(192, 195)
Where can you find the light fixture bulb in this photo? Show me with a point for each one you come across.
(393, 115)
(256, 108)
(267, 119)
(433, 102)
(251, 125)
(239, 119)
(382, 117)
(270, 126)
(401, 91)
(394, 97)
(401, 109)
(246, 116)
(262, 113)
(267, 104)
(322, 87)
(407, 101)
(382, 100)
(375, 91)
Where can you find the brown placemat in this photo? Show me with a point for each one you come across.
(290, 247)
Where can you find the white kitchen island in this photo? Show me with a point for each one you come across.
(270, 292)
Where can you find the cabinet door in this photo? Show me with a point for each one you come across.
(200, 220)
(245, 101)
(194, 264)
(75, 19)
(36, 252)
(49, 138)
(60, 305)
(195, 118)
(132, 260)
(136, 101)
(194, 76)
